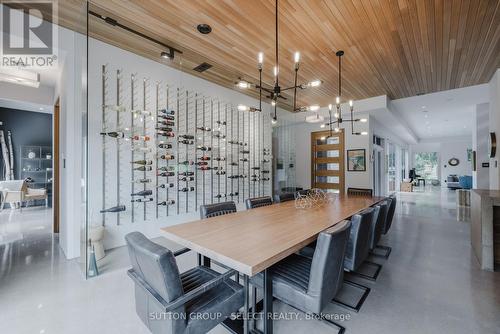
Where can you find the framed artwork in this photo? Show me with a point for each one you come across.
(356, 160)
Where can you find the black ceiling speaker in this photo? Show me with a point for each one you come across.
(204, 28)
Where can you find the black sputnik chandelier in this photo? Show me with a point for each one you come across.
(274, 94)
(336, 124)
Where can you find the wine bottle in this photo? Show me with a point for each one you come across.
(220, 159)
(166, 185)
(233, 164)
(143, 168)
(264, 171)
(143, 193)
(220, 196)
(165, 133)
(221, 122)
(142, 200)
(217, 168)
(167, 111)
(235, 142)
(265, 160)
(221, 173)
(243, 176)
(186, 163)
(166, 174)
(166, 123)
(202, 163)
(164, 145)
(167, 157)
(186, 178)
(142, 181)
(186, 136)
(143, 162)
(167, 117)
(142, 149)
(118, 208)
(265, 179)
(113, 134)
(165, 169)
(242, 143)
(205, 168)
(220, 136)
(203, 148)
(141, 138)
(164, 128)
(204, 128)
(186, 142)
(233, 176)
(186, 189)
(233, 194)
(244, 160)
(245, 152)
(204, 158)
(255, 168)
(169, 202)
(186, 173)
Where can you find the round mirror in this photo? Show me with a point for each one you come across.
(453, 162)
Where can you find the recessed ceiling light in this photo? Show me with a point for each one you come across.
(41, 108)
(423, 107)
(204, 28)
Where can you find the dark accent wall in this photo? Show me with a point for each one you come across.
(28, 128)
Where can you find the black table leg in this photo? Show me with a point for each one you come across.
(268, 302)
(206, 261)
(245, 309)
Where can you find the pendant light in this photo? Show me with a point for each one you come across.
(336, 124)
(274, 93)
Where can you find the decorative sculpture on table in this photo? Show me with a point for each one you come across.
(314, 198)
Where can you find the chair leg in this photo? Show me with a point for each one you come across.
(371, 278)
(360, 302)
(387, 250)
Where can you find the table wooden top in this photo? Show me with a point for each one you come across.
(253, 240)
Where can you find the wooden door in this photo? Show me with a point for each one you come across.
(327, 161)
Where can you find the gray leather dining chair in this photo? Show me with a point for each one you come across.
(310, 283)
(284, 197)
(357, 251)
(391, 208)
(217, 209)
(257, 202)
(165, 299)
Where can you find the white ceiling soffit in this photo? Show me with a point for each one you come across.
(26, 106)
(442, 114)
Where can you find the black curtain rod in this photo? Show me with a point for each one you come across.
(114, 22)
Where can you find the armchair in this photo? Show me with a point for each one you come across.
(168, 301)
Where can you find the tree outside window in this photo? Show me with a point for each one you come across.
(426, 165)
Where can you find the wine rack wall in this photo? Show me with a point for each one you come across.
(166, 150)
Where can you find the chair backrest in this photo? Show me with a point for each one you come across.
(378, 223)
(359, 192)
(359, 239)
(327, 267)
(156, 265)
(217, 209)
(257, 202)
(284, 197)
(304, 192)
(390, 213)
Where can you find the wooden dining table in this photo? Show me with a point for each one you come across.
(251, 241)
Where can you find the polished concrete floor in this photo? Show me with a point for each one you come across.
(430, 284)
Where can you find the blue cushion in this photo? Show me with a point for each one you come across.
(465, 181)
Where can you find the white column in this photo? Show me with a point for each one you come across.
(494, 122)
(480, 133)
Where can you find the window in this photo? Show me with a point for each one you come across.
(426, 165)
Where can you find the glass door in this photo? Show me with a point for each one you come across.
(327, 161)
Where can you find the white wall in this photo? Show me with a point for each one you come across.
(480, 135)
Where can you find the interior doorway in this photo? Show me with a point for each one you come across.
(327, 161)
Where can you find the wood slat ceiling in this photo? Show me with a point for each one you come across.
(399, 48)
